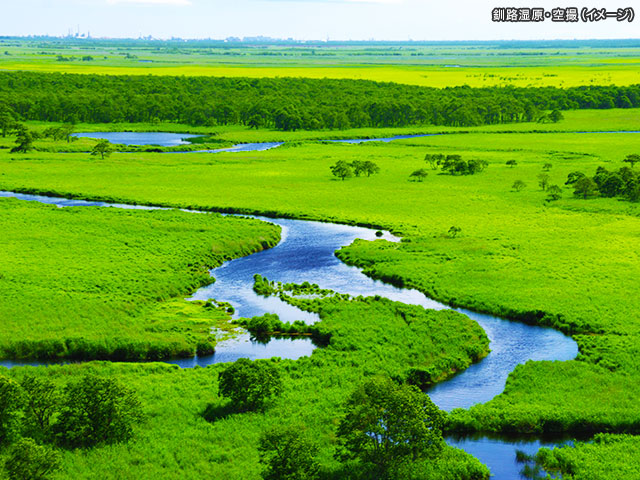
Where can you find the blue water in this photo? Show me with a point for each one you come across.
(160, 139)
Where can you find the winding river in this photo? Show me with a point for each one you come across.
(306, 253)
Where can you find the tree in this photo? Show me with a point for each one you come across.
(632, 159)
(370, 168)
(24, 140)
(585, 187)
(256, 121)
(518, 185)
(288, 454)
(357, 166)
(554, 192)
(555, 116)
(42, 401)
(102, 148)
(612, 185)
(434, 159)
(387, 425)
(11, 406)
(341, 169)
(512, 163)
(7, 122)
(543, 181)
(66, 130)
(96, 411)
(419, 175)
(547, 166)
(453, 231)
(573, 177)
(249, 384)
(28, 460)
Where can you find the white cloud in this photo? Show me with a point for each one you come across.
(152, 2)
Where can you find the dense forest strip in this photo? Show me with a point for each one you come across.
(285, 103)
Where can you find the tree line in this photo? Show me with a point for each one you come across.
(286, 103)
(624, 182)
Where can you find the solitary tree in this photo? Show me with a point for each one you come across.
(288, 454)
(419, 175)
(547, 166)
(543, 181)
(632, 159)
(28, 460)
(511, 163)
(249, 384)
(585, 187)
(102, 148)
(518, 185)
(341, 169)
(387, 425)
(96, 410)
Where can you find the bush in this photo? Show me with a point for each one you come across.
(11, 406)
(96, 411)
(288, 454)
(29, 461)
(249, 384)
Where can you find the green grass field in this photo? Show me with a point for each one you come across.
(476, 65)
(175, 441)
(572, 264)
(85, 283)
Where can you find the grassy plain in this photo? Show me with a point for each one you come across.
(87, 283)
(572, 263)
(175, 441)
(483, 64)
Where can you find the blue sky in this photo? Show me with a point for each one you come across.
(303, 19)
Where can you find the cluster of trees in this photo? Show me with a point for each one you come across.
(343, 169)
(386, 425)
(26, 137)
(454, 164)
(625, 182)
(288, 103)
(36, 416)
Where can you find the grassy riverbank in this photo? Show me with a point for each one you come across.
(570, 263)
(87, 283)
(368, 337)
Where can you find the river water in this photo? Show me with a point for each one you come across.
(306, 253)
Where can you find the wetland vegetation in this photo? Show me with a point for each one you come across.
(106, 284)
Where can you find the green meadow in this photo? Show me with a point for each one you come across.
(571, 264)
(104, 283)
(175, 441)
(477, 64)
